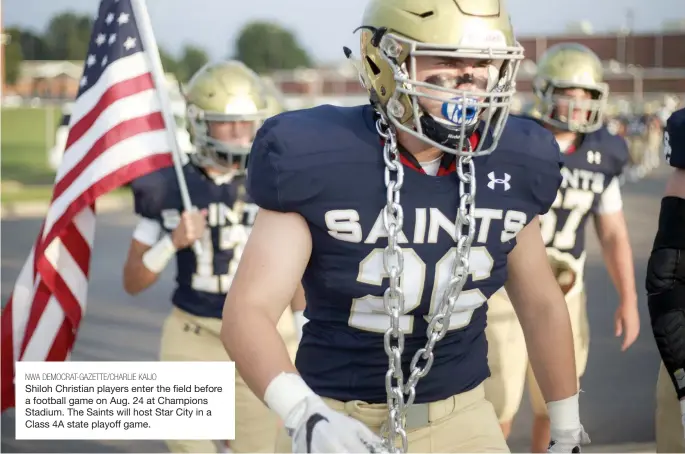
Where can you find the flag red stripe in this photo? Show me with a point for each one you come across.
(67, 300)
(7, 361)
(122, 131)
(113, 180)
(63, 343)
(77, 246)
(40, 302)
(114, 93)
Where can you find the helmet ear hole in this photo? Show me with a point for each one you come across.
(374, 68)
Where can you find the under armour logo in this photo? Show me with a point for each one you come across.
(667, 147)
(594, 157)
(504, 181)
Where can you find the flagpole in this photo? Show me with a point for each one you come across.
(150, 45)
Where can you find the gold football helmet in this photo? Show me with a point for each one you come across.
(394, 33)
(226, 104)
(567, 66)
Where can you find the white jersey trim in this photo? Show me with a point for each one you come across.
(611, 200)
(147, 231)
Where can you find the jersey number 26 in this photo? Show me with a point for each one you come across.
(367, 313)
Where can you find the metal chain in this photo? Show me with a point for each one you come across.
(393, 298)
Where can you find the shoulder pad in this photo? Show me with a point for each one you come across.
(525, 143)
(149, 191)
(293, 151)
(674, 140)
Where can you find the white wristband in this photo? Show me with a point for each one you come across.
(564, 414)
(157, 257)
(300, 320)
(285, 392)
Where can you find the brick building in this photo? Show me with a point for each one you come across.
(635, 66)
(656, 61)
(58, 80)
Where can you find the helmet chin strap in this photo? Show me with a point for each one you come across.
(444, 132)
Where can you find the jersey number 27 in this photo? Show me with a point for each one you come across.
(578, 203)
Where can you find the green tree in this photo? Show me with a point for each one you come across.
(33, 46)
(13, 59)
(267, 46)
(68, 35)
(192, 59)
(169, 63)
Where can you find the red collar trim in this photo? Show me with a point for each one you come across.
(447, 165)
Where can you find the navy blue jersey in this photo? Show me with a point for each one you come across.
(589, 168)
(674, 140)
(202, 281)
(326, 164)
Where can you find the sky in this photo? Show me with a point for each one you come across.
(323, 27)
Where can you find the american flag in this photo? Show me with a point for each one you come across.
(117, 133)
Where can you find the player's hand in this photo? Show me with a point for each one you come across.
(191, 228)
(568, 441)
(315, 427)
(627, 324)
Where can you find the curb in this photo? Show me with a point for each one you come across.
(38, 209)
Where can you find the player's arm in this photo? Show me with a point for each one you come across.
(666, 283)
(137, 277)
(612, 232)
(151, 250)
(267, 279)
(541, 308)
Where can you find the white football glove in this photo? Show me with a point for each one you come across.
(568, 441)
(567, 434)
(313, 425)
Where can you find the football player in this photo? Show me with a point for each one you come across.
(400, 223)
(226, 105)
(666, 294)
(571, 97)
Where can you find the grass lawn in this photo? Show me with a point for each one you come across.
(26, 135)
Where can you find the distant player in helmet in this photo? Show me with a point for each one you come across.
(227, 104)
(571, 99)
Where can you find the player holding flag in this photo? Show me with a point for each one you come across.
(121, 128)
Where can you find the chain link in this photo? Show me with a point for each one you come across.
(393, 298)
